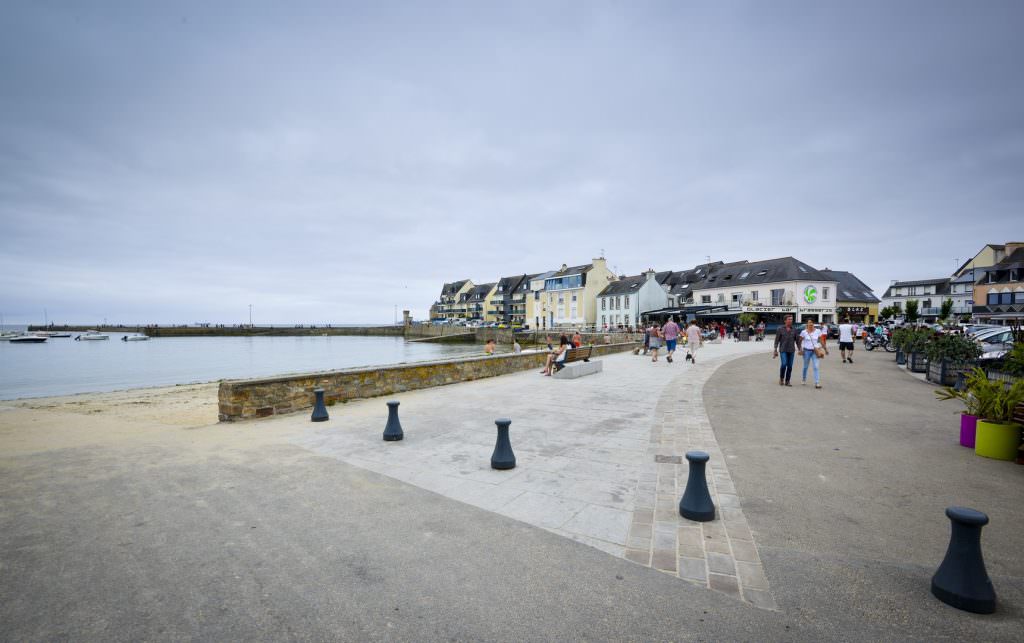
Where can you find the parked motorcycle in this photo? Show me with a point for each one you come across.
(879, 341)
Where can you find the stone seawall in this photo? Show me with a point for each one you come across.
(262, 397)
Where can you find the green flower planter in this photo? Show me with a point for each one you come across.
(997, 441)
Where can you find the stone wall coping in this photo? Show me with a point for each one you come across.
(287, 377)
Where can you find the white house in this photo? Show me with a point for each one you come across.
(771, 289)
(622, 302)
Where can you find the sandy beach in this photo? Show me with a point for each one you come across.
(41, 424)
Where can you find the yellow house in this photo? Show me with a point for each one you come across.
(494, 304)
(449, 305)
(567, 297)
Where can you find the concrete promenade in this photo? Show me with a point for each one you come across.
(830, 514)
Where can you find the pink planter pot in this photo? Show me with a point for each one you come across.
(968, 427)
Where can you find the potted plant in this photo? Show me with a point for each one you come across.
(968, 417)
(899, 340)
(745, 320)
(946, 355)
(996, 436)
(914, 347)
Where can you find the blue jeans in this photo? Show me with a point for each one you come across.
(786, 365)
(812, 357)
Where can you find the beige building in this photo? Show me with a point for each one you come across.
(450, 304)
(567, 297)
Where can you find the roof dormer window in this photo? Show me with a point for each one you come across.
(762, 273)
(744, 275)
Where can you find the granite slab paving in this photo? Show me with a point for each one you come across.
(599, 460)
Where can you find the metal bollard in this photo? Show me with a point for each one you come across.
(319, 409)
(961, 580)
(393, 429)
(503, 458)
(901, 357)
(696, 503)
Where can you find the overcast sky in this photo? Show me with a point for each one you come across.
(176, 162)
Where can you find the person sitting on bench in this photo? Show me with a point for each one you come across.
(557, 355)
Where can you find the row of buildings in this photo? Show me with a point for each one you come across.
(988, 287)
(591, 295)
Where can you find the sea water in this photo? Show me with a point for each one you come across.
(62, 366)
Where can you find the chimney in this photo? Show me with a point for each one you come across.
(650, 274)
(599, 262)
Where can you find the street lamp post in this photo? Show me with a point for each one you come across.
(250, 315)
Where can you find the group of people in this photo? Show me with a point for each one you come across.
(813, 343)
(557, 354)
(669, 333)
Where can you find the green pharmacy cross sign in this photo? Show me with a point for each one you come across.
(810, 294)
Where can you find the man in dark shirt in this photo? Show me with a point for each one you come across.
(785, 346)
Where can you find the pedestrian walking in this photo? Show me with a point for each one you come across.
(670, 331)
(813, 349)
(785, 349)
(693, 340)
(655, 341)
(847, 332)
(647, 339)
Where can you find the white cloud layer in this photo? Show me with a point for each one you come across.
(173, 162)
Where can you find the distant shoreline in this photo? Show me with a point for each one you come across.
(231, 331)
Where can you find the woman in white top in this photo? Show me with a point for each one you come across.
(811, 340)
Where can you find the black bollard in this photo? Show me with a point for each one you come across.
(961, 580)
(696, 503)
(319, 409)
(393, 429)
(503, 458)
(901, 357)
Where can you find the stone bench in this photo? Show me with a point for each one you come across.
(578, 369)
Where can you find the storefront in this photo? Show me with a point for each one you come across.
(774, 316)
(860, 313)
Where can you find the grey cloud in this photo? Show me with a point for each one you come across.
(328, 161)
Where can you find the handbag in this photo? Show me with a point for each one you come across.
(820, 352)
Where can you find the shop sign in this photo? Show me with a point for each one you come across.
(853, 310)
(769, 309)
(804, 309)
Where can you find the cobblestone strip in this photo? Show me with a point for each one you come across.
(720, 554)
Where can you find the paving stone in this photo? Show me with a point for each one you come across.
(725, 584)
(743, 550)
(641, 531)
(721, 563)
(638, 542)
(752, 575)
(738, 531)
(642, 556)
(664, 560)
(714, 529)
(718, 545)
(665, 538)
(643, 516)
(693, 569)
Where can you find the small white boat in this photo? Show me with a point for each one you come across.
(28, 339)
(92, 335)
(135, 338)
(53, 334)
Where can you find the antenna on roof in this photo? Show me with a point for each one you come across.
(602, 252)
(708, 257)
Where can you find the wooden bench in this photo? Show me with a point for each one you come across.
(581, 354)
(1018, 414)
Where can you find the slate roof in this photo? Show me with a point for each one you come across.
(632, 284)
(479, 293)
(572, 270)
(508, 285)
(453, 287)
(743, 273)
(850, 288)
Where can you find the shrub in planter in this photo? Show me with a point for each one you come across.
(997, 435)
(968, 417)
(946, 355)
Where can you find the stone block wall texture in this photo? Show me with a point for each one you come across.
(266, 396)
